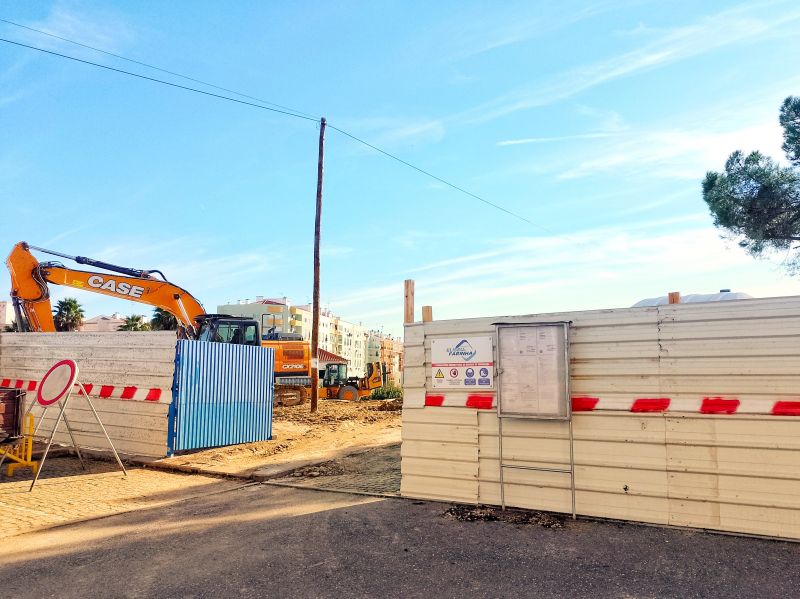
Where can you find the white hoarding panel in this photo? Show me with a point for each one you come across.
(465, 363)
(533, 371)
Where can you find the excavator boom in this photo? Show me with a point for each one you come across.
(29, 280)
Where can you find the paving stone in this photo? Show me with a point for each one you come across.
(66, 493)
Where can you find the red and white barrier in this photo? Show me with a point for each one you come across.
(101, 391)
(587, 403)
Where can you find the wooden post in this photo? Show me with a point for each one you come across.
(315, 319)
(427, 313)
(409, 302)
(674, 297)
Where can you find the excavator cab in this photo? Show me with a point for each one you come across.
(221, 328)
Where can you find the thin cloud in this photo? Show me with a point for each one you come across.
(101, 29)
(558, 138)
(608, 269)
(742, 23)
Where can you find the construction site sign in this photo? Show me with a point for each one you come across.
(462, 363)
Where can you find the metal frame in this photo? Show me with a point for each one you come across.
(568, 418)
(62, 415)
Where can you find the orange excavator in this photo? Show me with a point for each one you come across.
(31, 299)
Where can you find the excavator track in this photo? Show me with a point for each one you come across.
(290, 395)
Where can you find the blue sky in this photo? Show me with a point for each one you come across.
(596, 120)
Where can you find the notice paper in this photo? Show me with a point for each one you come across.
(533, 366)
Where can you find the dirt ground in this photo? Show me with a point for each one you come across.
(300, 438)
(375, 471)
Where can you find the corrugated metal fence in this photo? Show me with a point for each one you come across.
(222, 395)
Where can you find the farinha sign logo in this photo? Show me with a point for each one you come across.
(463, 350)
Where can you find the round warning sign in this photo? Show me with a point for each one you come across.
(57, 382)
(454, 372)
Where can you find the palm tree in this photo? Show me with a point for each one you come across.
(163, 321)
(68, 314)
(134, 322)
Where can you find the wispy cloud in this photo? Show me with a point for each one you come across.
(740, 24)
(607, 267)
(681, 146)
(329, 250)
(557, 138)
(478, 32)
(413, 238)
(678, 153)
(390, 132)
(102, 29)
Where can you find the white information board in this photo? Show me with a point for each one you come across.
(533, 366)
(462, 363)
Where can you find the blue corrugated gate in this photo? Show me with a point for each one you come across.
(222, 395)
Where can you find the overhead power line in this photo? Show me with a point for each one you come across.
(161, 81)
(281, 110)
(155, 68)
(432, 176)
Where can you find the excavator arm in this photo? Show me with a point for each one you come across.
(31, 297)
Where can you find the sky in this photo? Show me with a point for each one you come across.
(594, 120)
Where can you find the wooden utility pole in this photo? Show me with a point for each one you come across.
(408, 306)
(315, 319)
(427, 313)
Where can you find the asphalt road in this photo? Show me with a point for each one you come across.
(265, 541)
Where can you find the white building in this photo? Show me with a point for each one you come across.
(338, 336)
(6, 314)
(103, 323)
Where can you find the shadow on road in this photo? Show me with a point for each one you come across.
(273, 541)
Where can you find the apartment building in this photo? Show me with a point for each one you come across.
(338, 336)
(389, 351)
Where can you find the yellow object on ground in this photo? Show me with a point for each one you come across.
(21, 453)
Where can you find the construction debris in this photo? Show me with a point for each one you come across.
(474, 513)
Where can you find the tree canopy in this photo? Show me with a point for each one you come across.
(134, 322)
(756, 201)
(68, 314)
(163, 320)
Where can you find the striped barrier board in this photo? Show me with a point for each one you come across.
(588, 403)
(101, 391)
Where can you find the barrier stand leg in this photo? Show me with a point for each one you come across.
(103, 428)
(41, 419)
(50, 441)
(74, 444)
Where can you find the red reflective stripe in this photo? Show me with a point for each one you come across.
(88, 388)
(434, 400)
(153, 395)
(18, 384)
(106, 391)
(584, 404)
(719, 405)
(786, 408)
(650, 404)
(6, 383)
(31, 385)
(481, 402)
(128, 392)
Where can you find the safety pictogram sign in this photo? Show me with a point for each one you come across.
(456, 361)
